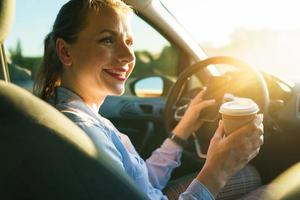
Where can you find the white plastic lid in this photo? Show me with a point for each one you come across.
(239, 107)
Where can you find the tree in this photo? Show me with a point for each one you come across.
(16, 54)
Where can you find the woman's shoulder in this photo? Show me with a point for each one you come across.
(77, 115)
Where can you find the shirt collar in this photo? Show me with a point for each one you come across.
(65, 96)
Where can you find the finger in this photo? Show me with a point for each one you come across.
(254, 154)
(220, 131)
(199, 96)
(256, 133)
(259, 119)
(261, 140)
(205, 104)
(253, 142)
(261, 116)
(256, 142)
(260, 130)
(250, 155)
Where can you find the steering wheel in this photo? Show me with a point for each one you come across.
(253, 82)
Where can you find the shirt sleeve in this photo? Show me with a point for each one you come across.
(196, 191)
(162, 162)
(160, 166)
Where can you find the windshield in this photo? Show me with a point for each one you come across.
(264, 33)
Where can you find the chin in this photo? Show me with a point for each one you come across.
(117, 91)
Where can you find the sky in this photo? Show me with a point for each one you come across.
(40, 14)
(219, 21)
(209, 21)
(272, 42)
(222, 17)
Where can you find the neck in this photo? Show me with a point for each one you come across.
(94, 107)
(92, 98)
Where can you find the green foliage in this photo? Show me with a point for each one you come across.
(17, 58)
(16, 54)
(165, 63)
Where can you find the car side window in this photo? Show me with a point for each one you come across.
(155, 55)
(19, 67)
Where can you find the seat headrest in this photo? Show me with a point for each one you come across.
(7, 12)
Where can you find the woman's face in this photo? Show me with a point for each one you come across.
(102, 57)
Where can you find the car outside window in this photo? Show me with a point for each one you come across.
(155, 55)
(24, 47)
(264, 33)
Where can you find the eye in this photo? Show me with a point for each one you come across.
(107, 40)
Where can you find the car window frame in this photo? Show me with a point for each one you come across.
(184, 59)
(4, 73)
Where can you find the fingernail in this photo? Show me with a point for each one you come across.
(220, 122)
(261, 116)
(258, 120)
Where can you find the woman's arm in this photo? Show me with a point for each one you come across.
(162, 162)
(167, 157)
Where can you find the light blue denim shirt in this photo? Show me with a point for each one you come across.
(150, 176)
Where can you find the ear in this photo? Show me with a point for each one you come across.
(62, 49)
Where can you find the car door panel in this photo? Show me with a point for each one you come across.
(141, 119)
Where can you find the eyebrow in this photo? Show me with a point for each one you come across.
(115, 33)
(109, 31)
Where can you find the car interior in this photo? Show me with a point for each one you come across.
(46, 156)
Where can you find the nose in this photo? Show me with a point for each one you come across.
(125, 54)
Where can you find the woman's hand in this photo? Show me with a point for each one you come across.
(190, 121)
(227, 155)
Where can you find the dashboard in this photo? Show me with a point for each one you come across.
(284, 101)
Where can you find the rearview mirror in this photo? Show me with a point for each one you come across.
(149, 87)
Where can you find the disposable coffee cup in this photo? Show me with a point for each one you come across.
(238, 113)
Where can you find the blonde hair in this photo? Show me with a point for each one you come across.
(70, 20)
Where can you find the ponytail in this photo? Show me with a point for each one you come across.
(50, 70)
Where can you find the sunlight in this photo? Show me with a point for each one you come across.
(264, 33)
(217, 19)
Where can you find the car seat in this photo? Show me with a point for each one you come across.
(44, 155)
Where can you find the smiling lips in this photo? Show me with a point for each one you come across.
(117, 73)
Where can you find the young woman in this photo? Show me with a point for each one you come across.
(88, 55)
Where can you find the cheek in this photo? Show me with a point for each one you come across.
(93, 56)
(103, 55)
(93, 63)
